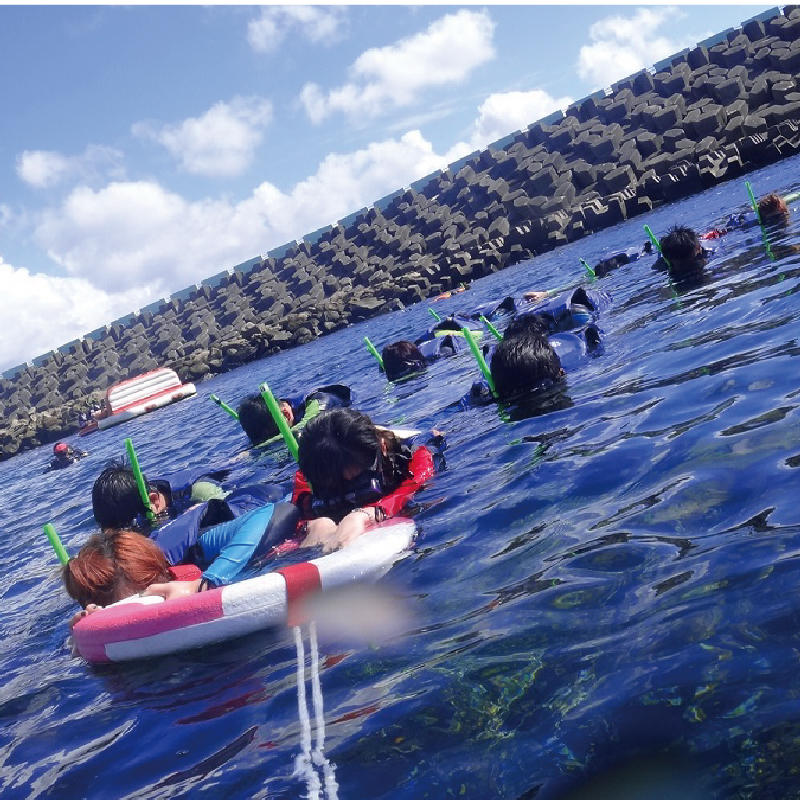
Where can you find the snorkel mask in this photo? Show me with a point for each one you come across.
(365, 488)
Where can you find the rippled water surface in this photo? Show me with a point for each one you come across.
(606, 591)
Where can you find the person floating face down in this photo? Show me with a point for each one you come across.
(352, 475)
(259, 425)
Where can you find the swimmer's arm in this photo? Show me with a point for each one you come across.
(173, 589)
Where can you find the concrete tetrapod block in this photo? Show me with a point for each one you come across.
(726, 91)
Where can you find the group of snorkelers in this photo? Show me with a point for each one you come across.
(193, 534)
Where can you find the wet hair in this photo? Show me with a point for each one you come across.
(772, 208)
(534, 324)
(342, 438)
(680, 244)
(113, 565)
(116, 502)
(522, 363)
(255, 419)
(648, 247)
(400, 358)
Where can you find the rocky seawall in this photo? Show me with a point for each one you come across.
(708, 114)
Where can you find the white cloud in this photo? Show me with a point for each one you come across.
(138, 234)
(44, 169)
(317, 23)
(506, 112)
(221, 142)
(46, 311)
(624, 45)
(393, 76)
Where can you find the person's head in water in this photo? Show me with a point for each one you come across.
(534, 324)
(682, 249)
(401, 358)
(523, 362)
(61, 451)
(257, 422)
(112, 566)
(116, 501)
(772, 210)
(348, 460)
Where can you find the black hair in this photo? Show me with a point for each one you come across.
(340, 438)
(255, 419)
(523, 362)
(680, 244)
(116, 502)
(400, 358)
(534, 324)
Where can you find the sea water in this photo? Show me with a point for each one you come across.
(607, 592)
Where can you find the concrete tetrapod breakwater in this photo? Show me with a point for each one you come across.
(711, 113)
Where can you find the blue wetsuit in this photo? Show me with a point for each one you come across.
(566, 310)
(445, 338)
(179, 538)
(177, 486)
(327, 396)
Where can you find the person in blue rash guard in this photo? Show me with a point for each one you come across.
(260, 427)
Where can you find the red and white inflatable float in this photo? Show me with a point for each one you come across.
(142, 394)
(140, 627)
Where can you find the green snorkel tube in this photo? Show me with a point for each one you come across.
(280, 421)
(476, 352)
(56, 543)
(435, 315)
(589, 271)
(371, 348)
(140, 484)
(764, 236)
(496, 333)
(657, 245)
(225, 407)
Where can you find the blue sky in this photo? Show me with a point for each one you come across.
(145, 148)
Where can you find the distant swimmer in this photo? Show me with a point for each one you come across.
(64, 455)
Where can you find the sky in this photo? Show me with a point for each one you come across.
(145, 148)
